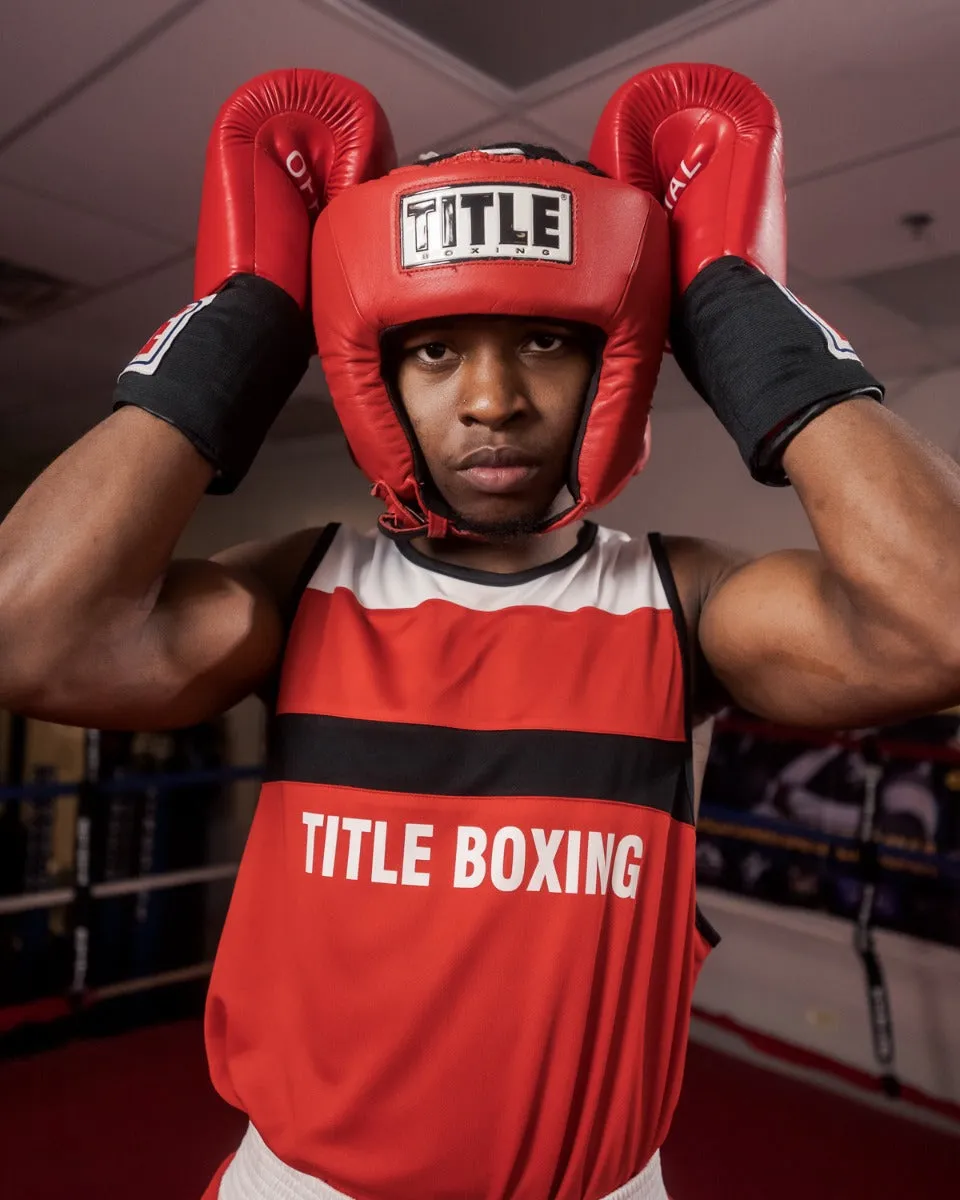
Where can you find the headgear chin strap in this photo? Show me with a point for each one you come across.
(502, 234)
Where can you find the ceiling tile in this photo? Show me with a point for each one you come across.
(77, 246)
(849, 79)
(48, 45)
(132, 145)
(927, 292)
(519, 44)
(849, 224)
(58, 374)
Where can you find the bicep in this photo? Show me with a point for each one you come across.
(784, 641)
(211, 634)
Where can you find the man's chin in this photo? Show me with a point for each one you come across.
(506, 521)
(504, 530)
(503, 518)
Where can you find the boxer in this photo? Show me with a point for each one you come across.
(462, 946)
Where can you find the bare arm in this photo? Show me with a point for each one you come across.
(97, 626)
(869, 628)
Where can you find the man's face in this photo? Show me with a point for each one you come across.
(495, 403)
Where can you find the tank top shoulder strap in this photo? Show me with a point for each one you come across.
(665, 571)
(268, 693)
(310, 564)
(662, 560)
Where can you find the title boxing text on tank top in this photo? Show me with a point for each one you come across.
(463, 941)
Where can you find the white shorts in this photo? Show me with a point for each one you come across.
(257, 1174)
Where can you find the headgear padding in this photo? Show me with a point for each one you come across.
(485, 233)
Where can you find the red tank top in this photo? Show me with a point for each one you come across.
(462, 945)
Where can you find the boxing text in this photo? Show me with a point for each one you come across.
(569, 861)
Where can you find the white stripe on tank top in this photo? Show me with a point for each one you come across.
(617, 574)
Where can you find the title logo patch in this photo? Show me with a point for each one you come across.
(485, 220)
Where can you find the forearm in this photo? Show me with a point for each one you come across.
(885, 508)
(89, 542)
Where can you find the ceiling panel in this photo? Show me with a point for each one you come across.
(133, 143)
(927, 293)
(850, 80)
(76, 246)
(48, 45)
(849, 224)
(520, 43)
(58, 374)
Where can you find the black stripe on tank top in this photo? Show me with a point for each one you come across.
(688, 810)
(269, 690)
(436, 760)
(665, 571)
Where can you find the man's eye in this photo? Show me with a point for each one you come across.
(545, 342)
(432, 352)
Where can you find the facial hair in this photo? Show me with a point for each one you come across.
(516, 527)
(502, 531)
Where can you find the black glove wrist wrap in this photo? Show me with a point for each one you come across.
(226, 373)
(764, 363)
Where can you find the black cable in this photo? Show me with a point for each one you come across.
(81, 907)
(878, 998)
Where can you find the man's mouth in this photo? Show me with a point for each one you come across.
(498, 470)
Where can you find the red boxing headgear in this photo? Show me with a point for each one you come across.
(495, 233)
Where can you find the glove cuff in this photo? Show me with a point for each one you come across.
(765, 363)
(221, 370)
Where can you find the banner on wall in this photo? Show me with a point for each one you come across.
(781, 819)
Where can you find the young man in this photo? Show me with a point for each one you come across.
(464, 938)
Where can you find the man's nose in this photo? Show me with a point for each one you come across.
(491, 390)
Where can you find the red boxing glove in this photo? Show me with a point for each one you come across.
(707, 143)
(221, 370)
(282, 146)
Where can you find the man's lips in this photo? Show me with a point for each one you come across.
(498, 470)
(498, 480)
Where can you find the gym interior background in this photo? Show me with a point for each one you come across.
(797, 1080)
